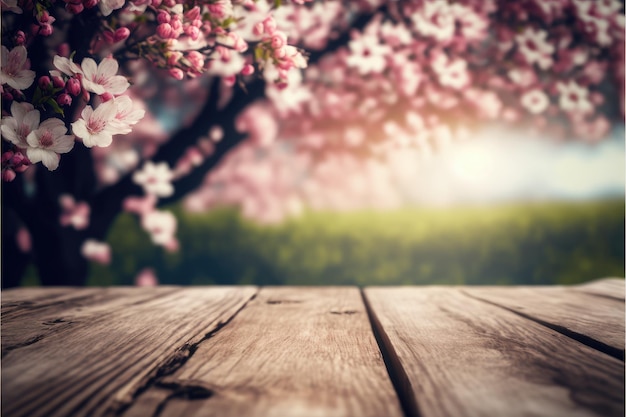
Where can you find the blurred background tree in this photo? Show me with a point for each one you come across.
(452, 104)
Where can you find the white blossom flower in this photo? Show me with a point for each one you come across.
(12, 68)
(436, 20)
(368, 54)
(107, 6)
(23, 120)
(574, 98)
(103, 78)
(48, 141)
(155, 179)
(535, 101)
(66, 66)
(451, 73)
(94, 127)
(161, 225)
(96, 251)
(535, 48)
(126, 115)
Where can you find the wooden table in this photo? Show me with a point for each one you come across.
(314, 351)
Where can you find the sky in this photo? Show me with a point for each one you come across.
(503, 166)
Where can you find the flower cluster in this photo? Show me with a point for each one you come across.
(87, 99)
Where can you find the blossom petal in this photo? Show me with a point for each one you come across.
(22, 80)
(90, 68)
(31, 119)
(48, 158)
(63, 144)
(108, 67)
(117, 85)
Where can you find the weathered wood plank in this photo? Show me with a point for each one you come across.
(607, 287)
(111, 349)
(457, 356)
(291, 352)
(31, 321)
(597, 322)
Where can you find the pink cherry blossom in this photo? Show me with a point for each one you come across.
(368, 54)
(65, 66)
(95, 127)
(535, 101)
(23, 120)
(535, 48)
(108, 6)
(94, 250)
(436, 20)
(161, 225)
(13, 68)
(75, 214)
(155, 179)
(48, 141)
(574, 98)
(146, 278)
(102, 78)
(126, 115)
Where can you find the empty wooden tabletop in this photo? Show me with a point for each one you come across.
(314, 351)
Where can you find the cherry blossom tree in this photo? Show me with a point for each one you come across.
(273, 106)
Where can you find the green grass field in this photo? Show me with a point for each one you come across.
(548, 243)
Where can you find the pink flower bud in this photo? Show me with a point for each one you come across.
(44, 17)
(156, 3)
(88, 4)
(108, 36)
(85, 95)
(241, 45)
(169, 3)
(8, 175)
(7, 156)
(18, 159)
(74, 8)
(196, 59)
(277, 40)
(269, 24)
(177, 73)
(58, 82)
(279, 53)
(44, 82)
(163, 17)
(193, 13)
(64, 99)
(20, 38)
(164, 30)
(173, 58)
(258, 29)
(121, 34)
(45, 29)
(106, 97)
(247, 70)
(176, 23)
(73, 86)
(193, 32)
(7, 96)
(23, 167)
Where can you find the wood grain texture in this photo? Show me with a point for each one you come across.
(290, 352)
(597, 322)
(456, 356)
(607, 287)
(112, 345)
